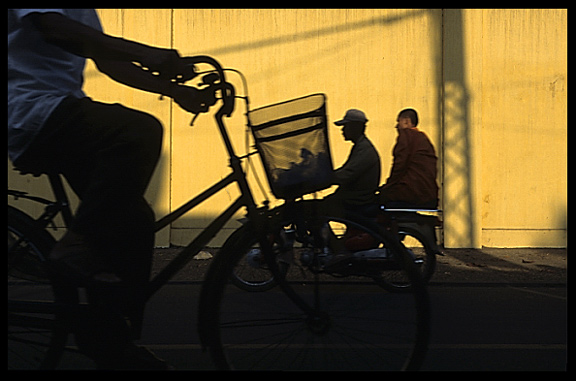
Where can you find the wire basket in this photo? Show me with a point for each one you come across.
(292, 139)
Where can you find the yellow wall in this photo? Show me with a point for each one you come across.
(523, 92)
(352, 56)
(490, 87)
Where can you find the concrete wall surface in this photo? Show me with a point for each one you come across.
(490, 87)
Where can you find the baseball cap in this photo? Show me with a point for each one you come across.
(352, 115)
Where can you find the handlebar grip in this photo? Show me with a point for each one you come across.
(228, 93)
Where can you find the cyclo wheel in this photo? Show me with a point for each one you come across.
(317, 322)
(36, 340)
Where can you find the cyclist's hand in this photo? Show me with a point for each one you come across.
(191, 99)
(168, 64)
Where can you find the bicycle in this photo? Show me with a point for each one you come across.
(395, 338)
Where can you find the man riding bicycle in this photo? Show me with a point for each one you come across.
(107, 153)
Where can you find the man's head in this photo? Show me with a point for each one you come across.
(354, 124)
(407, 118)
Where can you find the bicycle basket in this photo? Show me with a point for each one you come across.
(292, 139)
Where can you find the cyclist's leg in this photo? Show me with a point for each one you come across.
(125, 148)
(129, 243)
(108, 154)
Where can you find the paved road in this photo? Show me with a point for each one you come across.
(474, 328)
(498, 328)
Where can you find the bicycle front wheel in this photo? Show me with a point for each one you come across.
(314, 322)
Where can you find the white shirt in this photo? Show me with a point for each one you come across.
(40, 75)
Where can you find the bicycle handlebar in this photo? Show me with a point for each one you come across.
(215, 81)
(228, 99)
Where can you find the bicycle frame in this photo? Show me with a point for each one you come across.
(238, 176)
(261, 222)
(53, 208)
(246, 199)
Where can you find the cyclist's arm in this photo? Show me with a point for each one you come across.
(131, 75)
(88, 42)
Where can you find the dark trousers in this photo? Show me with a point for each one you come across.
(107, 153)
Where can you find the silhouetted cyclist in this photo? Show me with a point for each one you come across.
(107, 153)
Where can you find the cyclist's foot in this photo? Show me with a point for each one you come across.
(72, 258)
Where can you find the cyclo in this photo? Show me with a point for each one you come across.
(329, 318)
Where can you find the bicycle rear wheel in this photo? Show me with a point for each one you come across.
(316, 322)
(35, 339)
